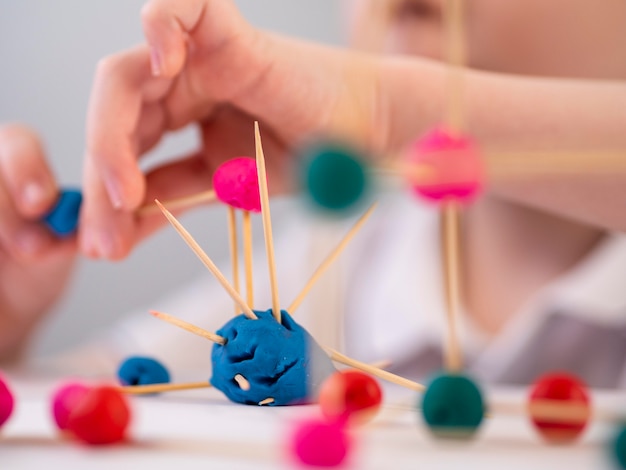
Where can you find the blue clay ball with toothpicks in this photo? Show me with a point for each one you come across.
(453, 406)
(334, 177)
(62, 219)
(138, 370)
(281, 362)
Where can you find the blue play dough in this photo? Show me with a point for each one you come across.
(142, 371)
(280, 361)
(63, 218)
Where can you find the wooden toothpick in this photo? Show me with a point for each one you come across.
(450, 232)
(242, 382)
(456, 60)
(207, 262)
(330, 259)
(160, 388)
(234, 251)
(554, 410)
(507, 165)
(247, 256)
(267, 401)
(382, 364)
(187, 201)
(451, 209)
(375, 371)
(502, 164)
(189, 327)
(267, 221)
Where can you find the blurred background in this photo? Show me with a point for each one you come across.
(48, 53)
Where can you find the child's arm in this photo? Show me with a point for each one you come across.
(34, 265)
(515, 113)
(206, 65)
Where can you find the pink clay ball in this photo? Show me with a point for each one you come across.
(64, 400)
(320, 443)
(236, 183)
(7, 401)
(453, 167)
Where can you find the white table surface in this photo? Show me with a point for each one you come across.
(200, 429)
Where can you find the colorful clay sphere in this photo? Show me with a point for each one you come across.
(350, 395)
(7, 402)
(236, 183)
(279, 361)
(139, 370)
(62, 219)
(618, 447)
(100, 417)
(453, 406)
(64, 399)
(566, 390)
(442, 166)
(334, 177)
(320, 443)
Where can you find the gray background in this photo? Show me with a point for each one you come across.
(48, 52)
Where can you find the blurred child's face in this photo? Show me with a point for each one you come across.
(576, 38)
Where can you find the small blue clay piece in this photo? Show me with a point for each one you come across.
(142, 371)
(280, 361)
(334, 177)
(453, 406)
(62, 219)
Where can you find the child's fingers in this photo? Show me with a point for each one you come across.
(185, 176)
(105, 232)
(123, 84)
(152, 125)
(25, 172)
(168, 23)
(20, 238)
(111, 234)
(181, 177)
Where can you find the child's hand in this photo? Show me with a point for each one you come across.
(204, 64)
(34, 265)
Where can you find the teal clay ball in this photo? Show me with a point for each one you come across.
(453, 406)
(334, 177)
(619, 447)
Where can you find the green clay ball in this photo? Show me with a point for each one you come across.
(334, 177)
(619, 447)
(453, 406)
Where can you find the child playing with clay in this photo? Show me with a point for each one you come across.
(543, 257)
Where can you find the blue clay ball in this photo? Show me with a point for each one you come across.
(280, 361)
(334, 177)
(62, 219)
(453, 406)
(142, 371)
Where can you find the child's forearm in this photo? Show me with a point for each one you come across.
(505, 111)
(526, 114)
(384, 103)
(396, 99)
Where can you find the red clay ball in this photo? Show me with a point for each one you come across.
(563, 389)
(350, 395)
(320, 444)
(7, 402)
(100, 417)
